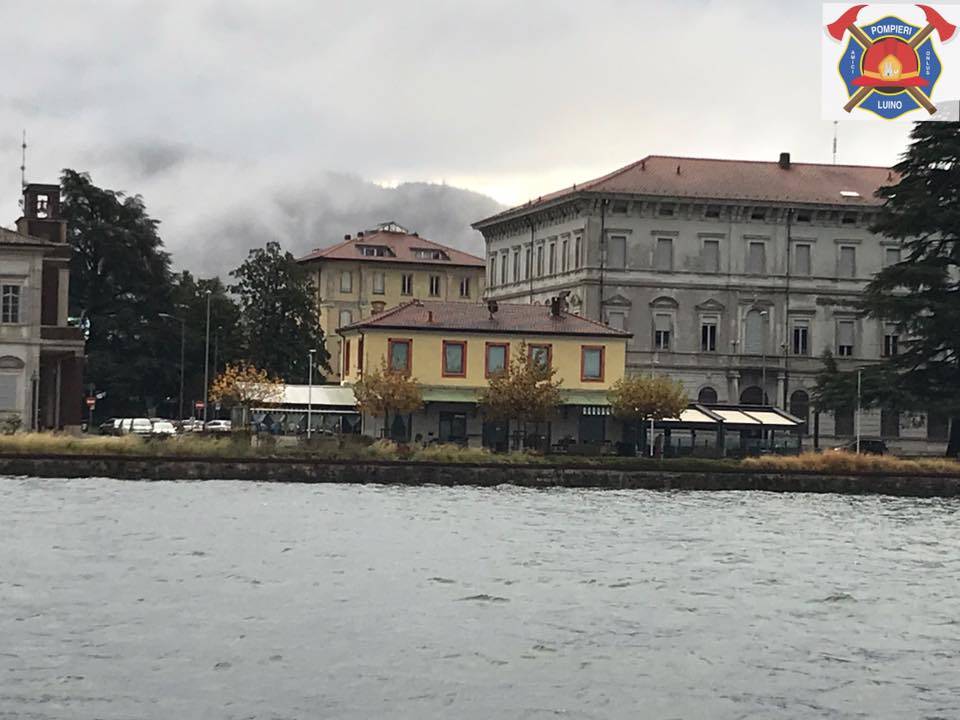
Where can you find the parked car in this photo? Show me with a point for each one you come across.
(136, 426)
(868, 446)
(111, 426)
(219, 426)
(163, 428)
(191, 425)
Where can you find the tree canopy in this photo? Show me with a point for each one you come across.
(383, 392)
(920, 295)
(278, 312)
(645, 397)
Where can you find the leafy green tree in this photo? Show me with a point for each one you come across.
(921, 293)
(278, 313)
(385, 391)
(226, 334)
(120, 282)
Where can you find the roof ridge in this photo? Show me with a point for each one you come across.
(759, 162)
(380, 316)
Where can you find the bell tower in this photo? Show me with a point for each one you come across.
(41, 213)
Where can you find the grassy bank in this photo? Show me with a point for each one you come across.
(192, 446)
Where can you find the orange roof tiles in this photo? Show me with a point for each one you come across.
(732, 180)
(470, 317)
(402, 245)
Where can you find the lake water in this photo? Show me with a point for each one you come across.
(123, 600)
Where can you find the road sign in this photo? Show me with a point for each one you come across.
(198, 405)
(91, 402)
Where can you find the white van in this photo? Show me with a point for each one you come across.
(136, 426)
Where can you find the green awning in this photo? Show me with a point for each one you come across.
(469, 395)
(449, 394)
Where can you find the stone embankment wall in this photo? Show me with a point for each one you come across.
(400, 473)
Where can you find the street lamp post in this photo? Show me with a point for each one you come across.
(310, 392)
(206, 366)
(183, 347)
(859, 373)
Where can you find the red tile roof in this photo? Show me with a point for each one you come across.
(737, 180)
(401, 244)
(471, 317)
(12, 237)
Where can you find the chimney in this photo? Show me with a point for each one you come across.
(360, 234)
(555, 307)
(784, 162)
(347, 236)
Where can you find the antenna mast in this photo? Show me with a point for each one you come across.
(23, 161)
(834, 142)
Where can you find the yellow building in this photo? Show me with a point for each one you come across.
(453, 348)
(384, 267)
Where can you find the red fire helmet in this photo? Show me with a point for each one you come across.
(890, 62)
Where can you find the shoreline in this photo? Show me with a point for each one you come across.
(416, 473)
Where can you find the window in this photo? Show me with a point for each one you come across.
(758, 214)
(756, 257)
(663, 254)
(845, 332)
(889, 423)
(708, 334)
(938, 426)
(435, 286)
(891, 341)
(617, 252)
(378, 283)
(801, 259)
(563, 256)
(617, 320)
(497, 357)
(399, 352)
(346, 281)
(847, 262)
(453, 427)
(755, 332)
(891, 256)
(665, 210)
(375, 251)
(430, 254)
(493, 270)
(552, 259)
(516, 264)
(620, 207)
(346, 357)
(503, 269)
(539, 260)
(454, 358)
(8, 391)
(707, 396)
(843, 422)
(803, 217)
(710, 256)
(406, 283)
(528, 262)
(662, 329)
(540, 355)
(10, 304)
(591, 363)
(800, 407)
(801, 337)
(465, 287)
(346, 317)
(576, 251)
(712, 211)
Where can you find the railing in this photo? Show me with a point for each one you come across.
(59, 332)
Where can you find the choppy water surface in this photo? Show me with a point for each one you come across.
(239, 600)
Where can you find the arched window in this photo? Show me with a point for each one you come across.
(707, 396)
(753, 329)
(752, 396)
(800, 407)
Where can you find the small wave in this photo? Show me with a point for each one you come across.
(838, 597)
(445, 581)
(483, 597)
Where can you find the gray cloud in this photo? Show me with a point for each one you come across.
(218, 111)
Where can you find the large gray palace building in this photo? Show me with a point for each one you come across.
(734, 277)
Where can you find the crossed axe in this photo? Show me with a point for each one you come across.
(848, 23)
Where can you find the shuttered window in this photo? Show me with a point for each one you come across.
(845, 336)
(756, 258)
(663, 255)
(710, 254)
(617, 252)
(8, 391)
(662, 331)
(847, 262)
(801, 259)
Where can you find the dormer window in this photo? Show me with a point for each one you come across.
(430, 254)
(375, 251)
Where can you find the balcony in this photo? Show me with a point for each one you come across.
(60, 333)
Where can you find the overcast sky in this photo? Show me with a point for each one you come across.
(223, 113)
